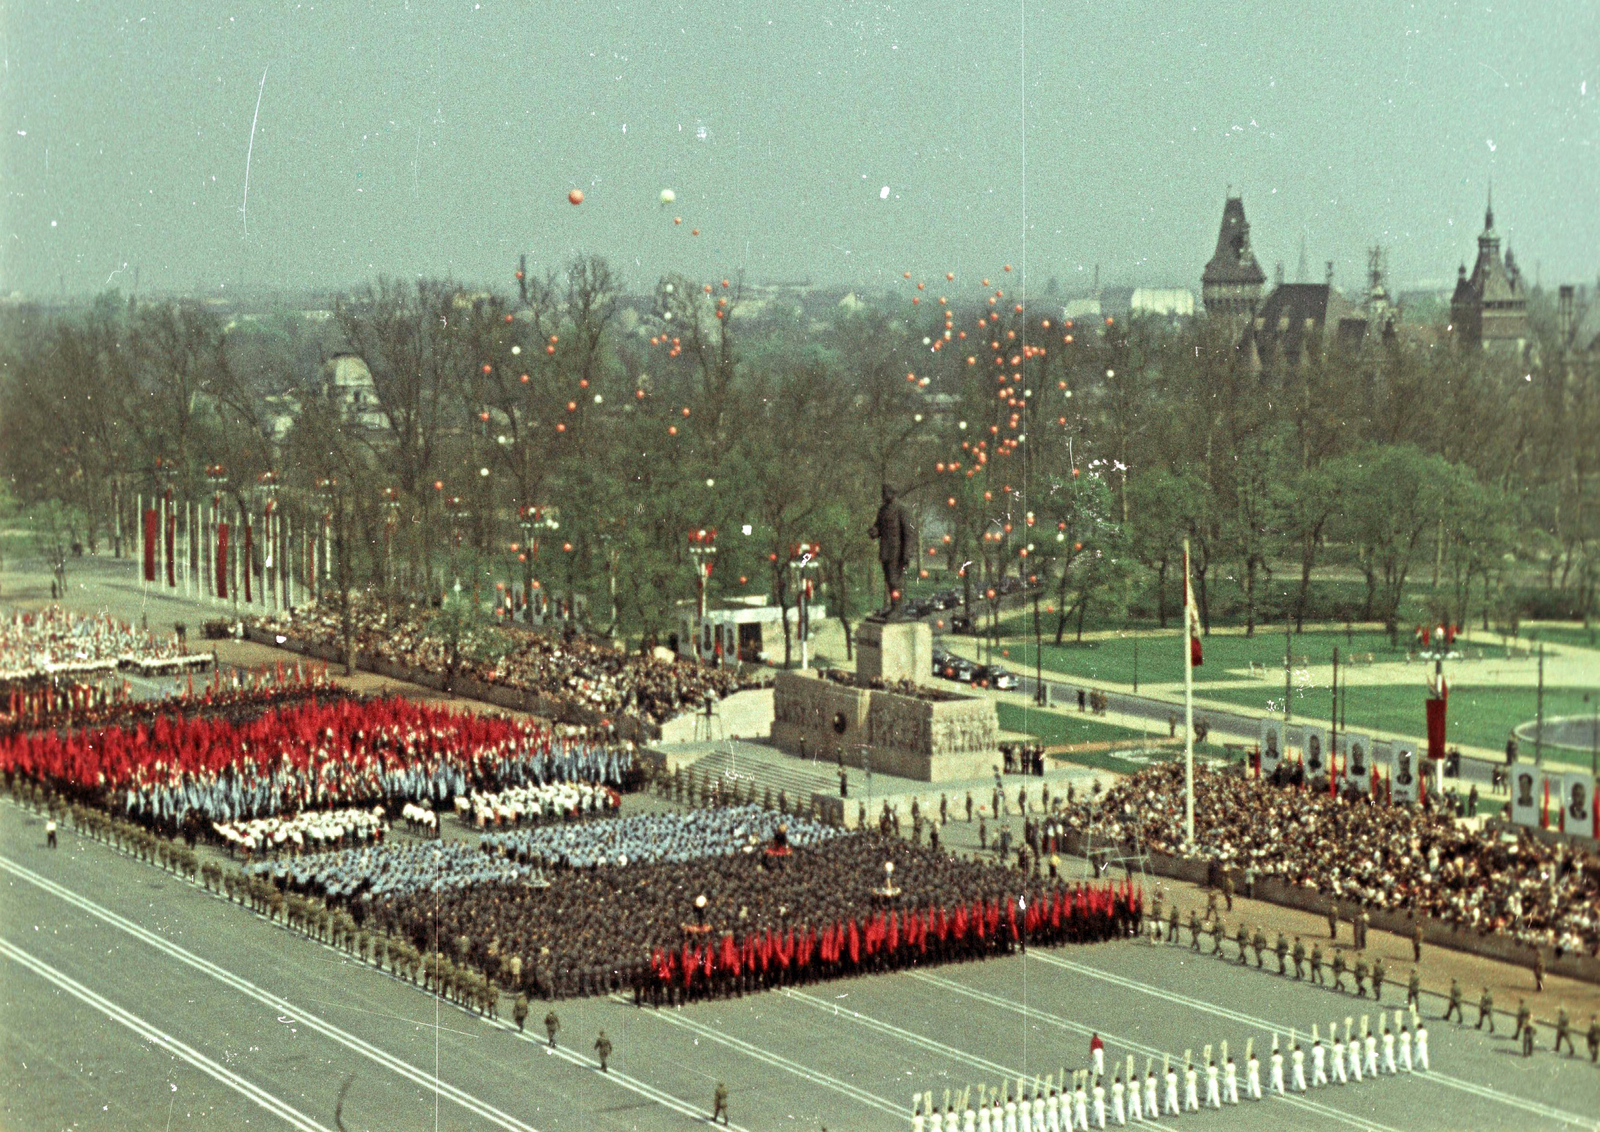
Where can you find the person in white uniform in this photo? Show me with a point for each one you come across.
(1319, 1062)
(984, 1111)
(1355, 1052)
(1191, 1084)
(1370, 1040)
(1011, 1114)
(1135, 1100)
(1099, 1103)
(1297, 1060)
(1213, 1085)
(1119, 1101)
(1405, 1048)
(1080, 1102)
(1389, 1066)
(1052, 1108)
(1422, 1045)
(1230, 1076)
(918, 1121)
(1152, 1109)
(1338, 1056)
(1277, 1067)
(1252, 1071)
(1171, 1099)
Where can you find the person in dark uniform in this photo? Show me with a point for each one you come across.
(50, 834)
(1258, 944)
(519, 1010)
(1414, 990)
(1360, 974)
(551, 1025)
(1455, 1002)
(1563, 1031)
(1485, 1010)
(1338, 968)
(1299, 958)
(1538, 969)
(1524, 1018)
(719, 1103)
(602, 1047)
(1378, 974)
(1281, 949)
(1594, 1039)
(1416, 942)
(1316, 964)
(1333, 918)
(1194, 928)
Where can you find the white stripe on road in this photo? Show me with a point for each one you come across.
(915, 1039)
(778, 1061)
(1324, 1111)
(290, 1115)
(439, 1087)
(1486, 1092)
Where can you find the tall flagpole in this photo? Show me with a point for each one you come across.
(1188, 706)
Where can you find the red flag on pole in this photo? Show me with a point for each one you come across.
(222, 560)
(152, 526)
(1436, 726)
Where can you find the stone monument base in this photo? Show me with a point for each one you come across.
(892, 651)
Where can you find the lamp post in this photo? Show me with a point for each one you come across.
(389, 504)
(532, 520)
(217, 477)
(703, 549)
(805, 556)
(267, 492)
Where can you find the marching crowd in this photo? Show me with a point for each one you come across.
(55, 641)
(316, 831)
(725, 924)
(536, 803)
(324, 754)
(650, 838)
(1386, 857)
(391, 871)
(578, 672)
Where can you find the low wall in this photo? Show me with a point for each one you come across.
(499, 695)
(1490, 945)
(925, 740)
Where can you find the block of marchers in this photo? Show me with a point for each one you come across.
(892, 651)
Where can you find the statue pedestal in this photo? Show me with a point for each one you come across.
(894, 650)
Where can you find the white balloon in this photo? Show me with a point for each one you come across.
(668, 196)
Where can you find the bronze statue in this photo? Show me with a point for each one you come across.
(893, 532)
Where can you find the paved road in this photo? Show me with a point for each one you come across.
(134, 1000)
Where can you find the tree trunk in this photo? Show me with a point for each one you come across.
(1161, 593)
(1308, 545)
(1083, 611)
(1249, 596)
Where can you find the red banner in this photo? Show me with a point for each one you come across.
(249, 558)
(1436, 710)
(152, 526)
(172, 538)
(222, 560)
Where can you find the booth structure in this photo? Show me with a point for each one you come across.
(750, 631)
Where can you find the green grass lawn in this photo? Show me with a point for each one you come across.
(1479, 715)
(1052, 728)
(1159, 659)
(1565, 635)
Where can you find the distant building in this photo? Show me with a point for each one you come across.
(1489, 308)
(1167, 302)
(1293, 321)
(1231, 284)
(347, 382)
(1577, 321)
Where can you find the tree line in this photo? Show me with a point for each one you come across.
(566, 433)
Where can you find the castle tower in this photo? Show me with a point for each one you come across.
(1489, 308)
(1231, 284)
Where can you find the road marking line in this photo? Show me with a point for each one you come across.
(282, 1006)
(1487, 1092)
(816, 1077)
(915, 1039)
(1317, 1107)
(290, 1115)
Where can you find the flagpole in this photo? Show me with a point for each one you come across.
(1188, 706)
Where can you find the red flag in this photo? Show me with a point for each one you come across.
(855, 943)
(1436, 725)
(222, 560)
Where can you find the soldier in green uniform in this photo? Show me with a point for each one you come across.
(1218, 934)
(1338, 968)
(1538, 969)
(1227, 889)
(719, 1103)
(1563, 1031)
(1527, 1039)
(551, 1025)
(1333, 918)
(1414, 990)
(1594, 1039)
(602, 1047)
(1172, 925)
(1524, 1018)
(1155, 916)
(1361, 976)
(1485, 1010)
(1378, 975)
(1416, 942)
(1281, 948)
(1454, 1006)
(1258, 944)
(1194, 930)
(519, 1010)
(1299, 958)
(1316, 964)
(1242, 938)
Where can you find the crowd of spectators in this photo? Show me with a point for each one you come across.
(56, 642)
(572, 670)
(1389, 857)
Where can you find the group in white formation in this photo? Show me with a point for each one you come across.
(313, 831)
(1054, 1105)
(551, 800)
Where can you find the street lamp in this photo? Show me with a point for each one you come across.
(703, 549)
(217, 477)
(803, 557)
(531, 519)
(267, 491)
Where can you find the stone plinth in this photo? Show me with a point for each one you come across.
(892, 651)
(940, 737)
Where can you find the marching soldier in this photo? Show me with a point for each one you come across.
(1172, 925)
(969, 807)
(1364, 922)
(1258, 944)
(1455, 1002)
(602, 1047)
(1333, 918)
(1281, 948)
(1485, 1010)
(1414, 989)
(1242, 937)
(1194, 930)
(1416, 942)
(519, 1011)
(983, 833)
(1227, 889)
(1361, 977)
(1538, 970)
(1563, 1031)
(1594, 1039)
(551, 1025)
(719, 1099)
(1524, 1018)
(1299, 958)
(1527, 1039)
(1377, 979)
(1155, 916)
(1218, 934)
(1338, 968)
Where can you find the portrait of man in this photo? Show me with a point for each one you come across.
(1272, 745)
(1314, 751)
(1358, 759)
(1524, 790)
(1578, 805)
(1402, 774)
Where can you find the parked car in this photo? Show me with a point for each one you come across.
(995, 676)
(959, 669)
(961, 623)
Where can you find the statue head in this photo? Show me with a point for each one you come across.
(888, 493)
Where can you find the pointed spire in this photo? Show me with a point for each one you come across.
(1488, 211)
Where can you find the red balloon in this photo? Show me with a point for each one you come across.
(575, 196)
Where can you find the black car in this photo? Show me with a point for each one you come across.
(961, 623)
(959, 669)
(995, 676)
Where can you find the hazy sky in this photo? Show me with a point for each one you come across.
(442, 136)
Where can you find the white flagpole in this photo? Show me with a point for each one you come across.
(1188, 707)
